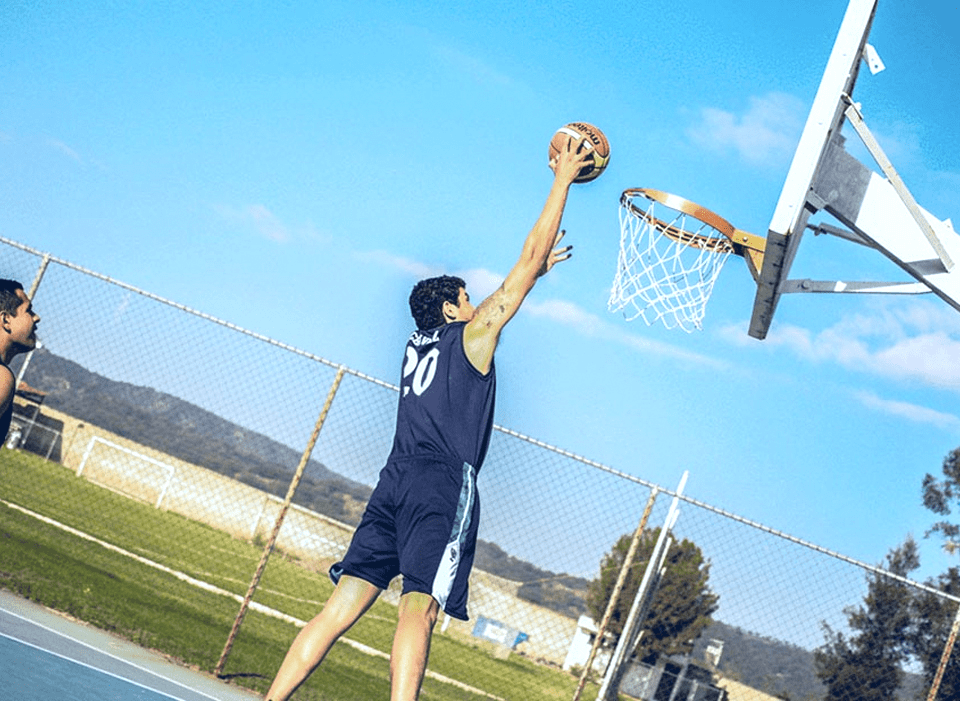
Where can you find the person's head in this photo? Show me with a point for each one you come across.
(440, 300)
(18, 321)
(9, 300)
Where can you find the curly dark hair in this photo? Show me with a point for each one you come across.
(428, 296)
(9, 302)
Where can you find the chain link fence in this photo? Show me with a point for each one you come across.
(155, 409)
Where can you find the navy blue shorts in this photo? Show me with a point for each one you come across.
(421, 522)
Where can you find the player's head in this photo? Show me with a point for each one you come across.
(18, 321)
(10, 301)
(428, 297)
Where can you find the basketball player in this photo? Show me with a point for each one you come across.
(421, 520)
(18, 334)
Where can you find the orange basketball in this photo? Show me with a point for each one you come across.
(595, 141)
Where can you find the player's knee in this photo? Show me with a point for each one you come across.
(419, 608)
(339, 616)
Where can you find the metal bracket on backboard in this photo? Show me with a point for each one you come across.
(853, 116)
(839, 286)
(879, 210)
(872, 58)
(841, 188)
(846, 286)
(881, 214)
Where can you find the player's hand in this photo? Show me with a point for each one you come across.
(567, 164)
(557, 255)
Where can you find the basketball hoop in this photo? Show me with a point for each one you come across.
(671, 252)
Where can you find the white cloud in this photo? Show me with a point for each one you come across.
(414, 268)
(266, 223)
(257, 217)
(916, 342)
(482, 282)
(568, 314)
(64, 149)
(765, 134)
(479, 71)
(588, 324)
(122, 308)
(911, 412)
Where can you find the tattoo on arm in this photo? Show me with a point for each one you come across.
(493, 311)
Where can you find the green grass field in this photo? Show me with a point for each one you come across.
(46, 564)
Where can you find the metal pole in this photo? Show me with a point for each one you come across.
(633, 621)
(633, 630)
(53, 443)
(615, 595)
(852, 114)
(945, 657)
(679, 680)
(36, 411)
(268, 549)
(44, 262)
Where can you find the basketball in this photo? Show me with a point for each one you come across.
(596, 141)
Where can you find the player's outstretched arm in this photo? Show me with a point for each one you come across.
(540, 252)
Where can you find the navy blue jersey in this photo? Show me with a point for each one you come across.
(7, 417)
(446, 404)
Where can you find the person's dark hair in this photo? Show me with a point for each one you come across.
(9, 301)
(428, 296)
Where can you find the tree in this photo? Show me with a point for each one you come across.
(938, 495)
(933, 618)
(866, 666)
(683, 603)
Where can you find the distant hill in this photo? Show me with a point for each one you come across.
(562, 593)
(192, 434)
(765, 664)
(185, 431)
(777, 668)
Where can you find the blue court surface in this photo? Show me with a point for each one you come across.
(47, 657)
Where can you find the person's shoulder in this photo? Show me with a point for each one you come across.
(7, 385)
(453, 330)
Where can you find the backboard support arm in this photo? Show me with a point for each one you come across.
(824, 120)
(853, 116)
(881, 214)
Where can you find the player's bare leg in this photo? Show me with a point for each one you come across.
(350, 599)
(411, 645)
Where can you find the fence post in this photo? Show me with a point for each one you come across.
(44, 262)
(945, 657)
(615, 595)
(645, 593)
(268, 549)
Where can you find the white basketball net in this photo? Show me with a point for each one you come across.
(658, 277)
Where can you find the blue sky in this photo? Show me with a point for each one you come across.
(333, 154)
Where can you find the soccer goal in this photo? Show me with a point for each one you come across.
(126, 471)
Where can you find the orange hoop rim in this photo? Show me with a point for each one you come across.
(679, 204)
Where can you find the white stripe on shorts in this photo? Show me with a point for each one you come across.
(450, 562)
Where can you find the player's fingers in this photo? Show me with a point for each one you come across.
(579, 142)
